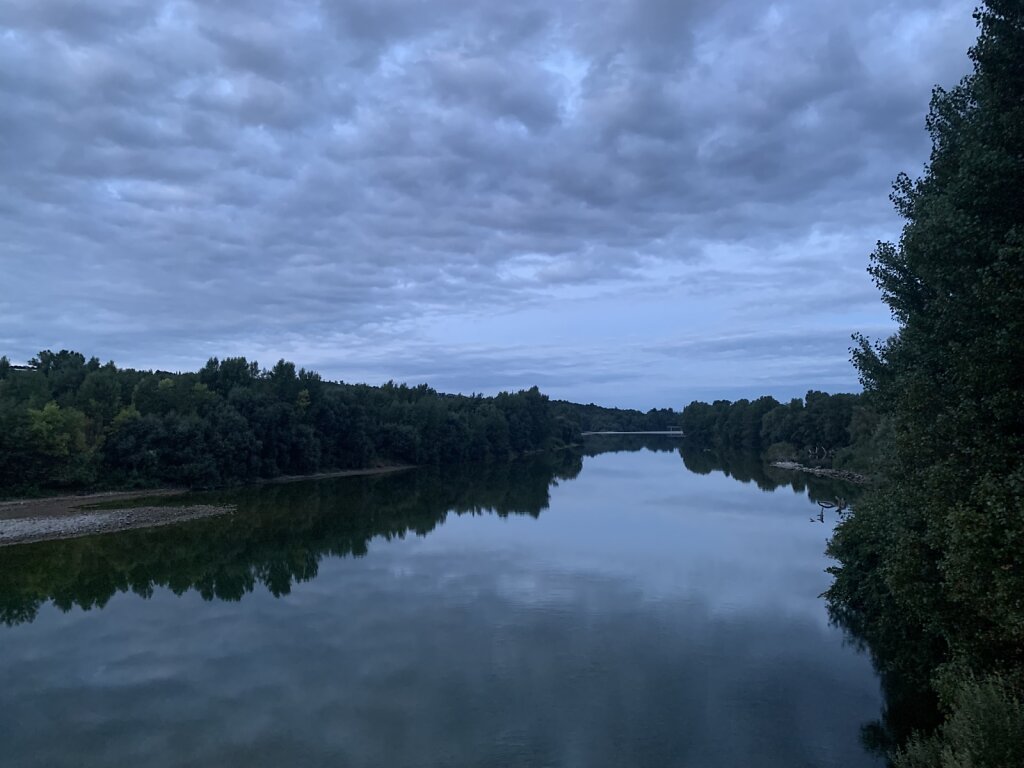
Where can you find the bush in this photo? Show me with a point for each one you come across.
(985, 729)
(782, 452)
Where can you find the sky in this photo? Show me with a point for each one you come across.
(629, 202)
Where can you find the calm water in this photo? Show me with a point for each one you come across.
(618, 609)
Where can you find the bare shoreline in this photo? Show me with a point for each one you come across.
(835, 474)
(27, 530)
(24, 521)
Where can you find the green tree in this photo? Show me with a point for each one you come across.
(57, 437)
(69, 421)
(938, 548)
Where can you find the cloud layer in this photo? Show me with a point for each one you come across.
(621, 200)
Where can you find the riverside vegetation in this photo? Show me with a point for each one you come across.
(841, 431)
(930, 570)
(68, 423)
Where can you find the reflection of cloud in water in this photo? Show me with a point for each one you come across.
(648, 616)
(403, 670)
(668, 532)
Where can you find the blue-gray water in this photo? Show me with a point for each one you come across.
(632, 613)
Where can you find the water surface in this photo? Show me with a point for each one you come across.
(623, 608)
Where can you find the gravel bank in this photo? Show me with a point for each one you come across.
(66, 517)
(22, 530)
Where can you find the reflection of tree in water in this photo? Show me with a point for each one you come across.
(749, 467)
(905, 657)
(744, 466)
(595, 445)
(276, 538)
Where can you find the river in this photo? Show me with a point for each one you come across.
(613, 607)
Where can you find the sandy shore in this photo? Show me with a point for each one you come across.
(24, 530)
(66, 517)
(58, 506)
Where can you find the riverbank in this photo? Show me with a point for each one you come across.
(26, 530)
(835, 474)
(24, 521)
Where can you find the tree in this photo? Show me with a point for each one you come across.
(938, 547)
(67, 421)
(57, 438)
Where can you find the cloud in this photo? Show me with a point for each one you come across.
(184, 178)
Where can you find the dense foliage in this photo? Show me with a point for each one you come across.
(840, 429)
(931, 568)
(68, 422)
(596, 418)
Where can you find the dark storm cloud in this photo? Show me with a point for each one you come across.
(185, 178)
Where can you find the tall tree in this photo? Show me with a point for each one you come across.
(938, 548)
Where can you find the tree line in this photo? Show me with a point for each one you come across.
(841, 430)
(597, 418)
(67, 422)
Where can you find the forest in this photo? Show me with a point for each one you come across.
(597, 418)
(841, 430)
(930, 565)
(69, 423)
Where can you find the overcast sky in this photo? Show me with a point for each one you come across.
(632, 202)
